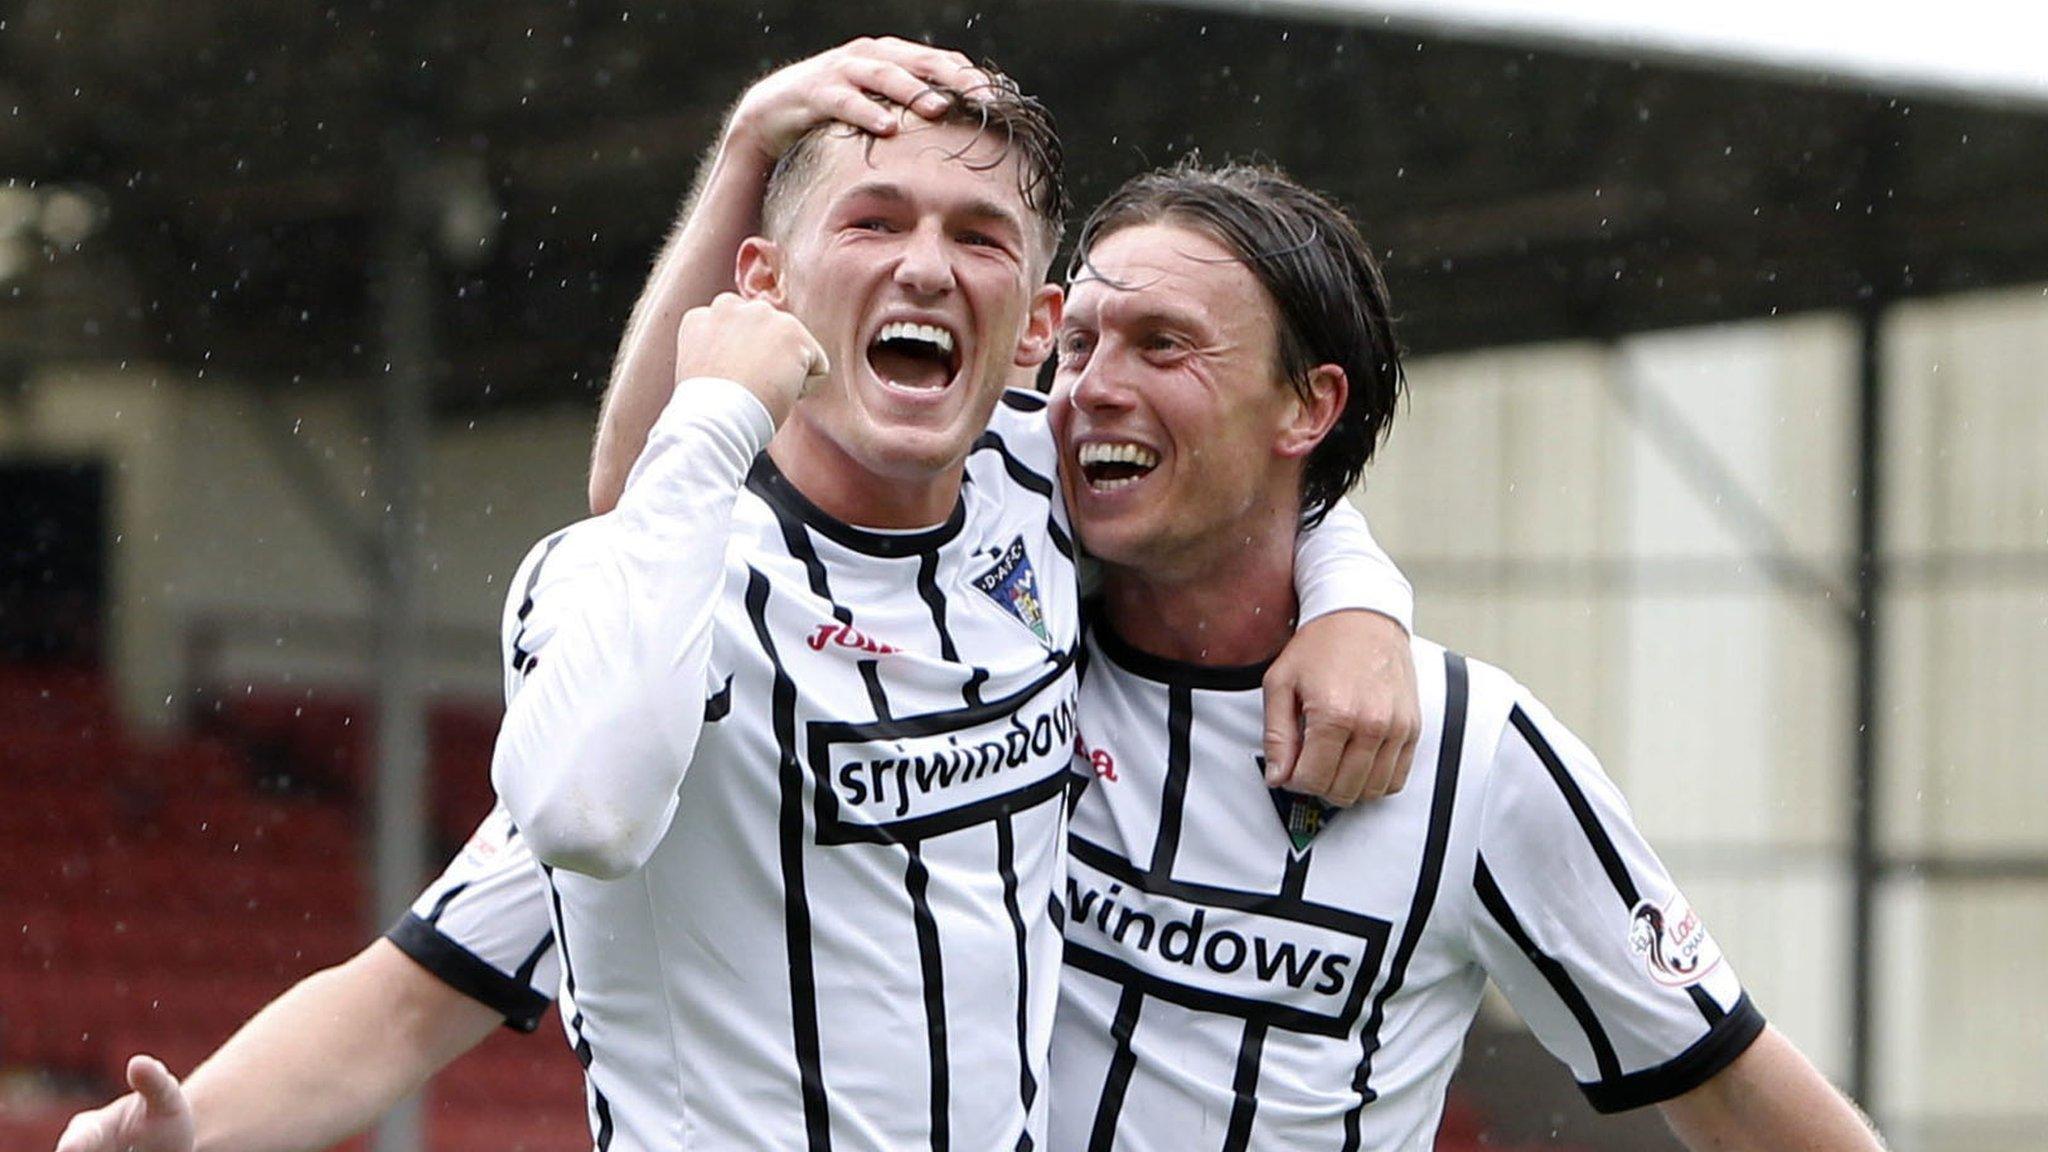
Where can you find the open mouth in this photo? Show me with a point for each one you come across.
(1110, 465)
(914, 357)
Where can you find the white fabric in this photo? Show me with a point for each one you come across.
(1247, 965)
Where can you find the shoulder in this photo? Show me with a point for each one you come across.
(1019, 430)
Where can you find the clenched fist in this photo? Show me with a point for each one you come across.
(760, 347)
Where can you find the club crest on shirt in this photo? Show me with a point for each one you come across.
(1013, 585)
(1303, 817)
(1673, 942)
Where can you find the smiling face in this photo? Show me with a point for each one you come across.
(1181, 442)
(916, 264)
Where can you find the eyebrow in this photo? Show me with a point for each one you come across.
(1140, 316)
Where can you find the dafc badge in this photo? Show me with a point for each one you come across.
(1013, 585)
(1673, 943)
(1304, 817)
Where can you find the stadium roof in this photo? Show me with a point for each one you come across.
(204, 182)
(1986, 50)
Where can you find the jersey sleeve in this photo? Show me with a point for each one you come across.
(1339, 566)
(482, 926)
(607, 625)
(1578, 922)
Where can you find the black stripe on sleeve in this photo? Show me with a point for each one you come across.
(585, 1054)
(796, 908)
(1582, 809)
(1603, 845)
(1450, 750)
(441, 906)
(719, 705)
(1118, 1080)
(468, 973)
(532, 961)
(917, 882)
(1729, 1031)
(1245, 1088)
(521, 660)
(1180, 719)
(1688, 1070)
(1006, 866)
(1553, 973)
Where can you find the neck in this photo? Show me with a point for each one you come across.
(853, 494)
(1235, 613)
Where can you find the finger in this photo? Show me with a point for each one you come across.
(850, 105)
(1283, 732)
(938, 65)
(1354, 772)
(817, 366)
(154, 1083)
(1404, 761)
(899, 85)
(1322, 750)
(1385, 777)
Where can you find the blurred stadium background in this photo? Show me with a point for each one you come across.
(1729, 435)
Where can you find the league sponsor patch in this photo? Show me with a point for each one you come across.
(1673, 942)
(1013, 585)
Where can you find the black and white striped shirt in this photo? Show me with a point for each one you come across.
(1245, 970)
(838, 937)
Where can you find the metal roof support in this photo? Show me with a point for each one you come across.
(406, 299)
(1867, 859)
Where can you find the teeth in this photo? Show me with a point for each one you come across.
(923, 333)
(1098, 452)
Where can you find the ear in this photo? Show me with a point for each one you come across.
(757, 271)
(1041, 326)
(1313, 411)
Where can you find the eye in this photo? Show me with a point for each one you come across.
(1161, 344)
(1074, 342)
(979, 240)
(872, 224)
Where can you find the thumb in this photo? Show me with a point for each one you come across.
(817, 365)
(155, 1084)
(1283, 732)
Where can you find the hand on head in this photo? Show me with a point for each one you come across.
(864, 83)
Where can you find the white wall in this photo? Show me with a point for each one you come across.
(1551, 533)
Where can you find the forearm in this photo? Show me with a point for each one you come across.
(695, 265)
(331, 1055)
(1339, 566)
(1770, 1100)
(612, 634)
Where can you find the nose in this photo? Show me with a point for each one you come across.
(1100, 386)
(923, 268)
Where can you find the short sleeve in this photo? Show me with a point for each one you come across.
(482, 926)
(1580, 925)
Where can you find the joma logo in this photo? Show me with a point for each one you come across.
(846, 636)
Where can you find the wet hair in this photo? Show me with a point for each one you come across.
(998, 109)
(1323, 280)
